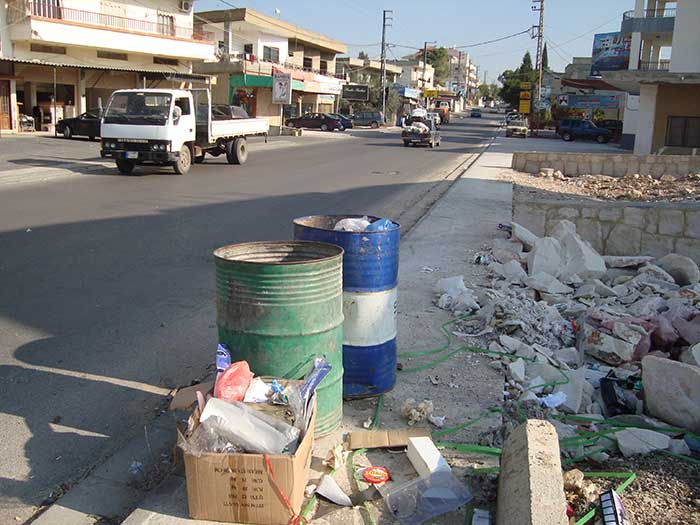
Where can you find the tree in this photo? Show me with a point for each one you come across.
(488, 91)
(440, 60)
(362, 55)
(511, 79)
(527, 62)
(545, 58)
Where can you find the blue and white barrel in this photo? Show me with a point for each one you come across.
(370, 279)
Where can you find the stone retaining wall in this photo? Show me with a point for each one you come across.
(612, 164)
(617, 228)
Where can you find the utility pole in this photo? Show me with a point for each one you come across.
(459, 71)
(540, 39)
(386, 22)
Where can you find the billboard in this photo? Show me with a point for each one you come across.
(588, 101)
(281, 88)
(611, 52)
(358, 92)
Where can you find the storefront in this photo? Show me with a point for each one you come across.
(254, 93)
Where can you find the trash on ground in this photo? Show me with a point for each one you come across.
(329, 489)
(375, 475)
(383, 438)
(415, 412)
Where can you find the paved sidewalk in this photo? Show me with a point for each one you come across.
(445, 240)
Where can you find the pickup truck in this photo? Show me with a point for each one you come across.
(172, 127)
(443, 107)
(421, 131)
(570, 129)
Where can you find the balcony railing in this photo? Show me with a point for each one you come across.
(654, 66)
(669, 12)
(165, 26)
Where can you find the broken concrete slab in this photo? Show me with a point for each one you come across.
(524, 235)
(621, 261)
(516, 369)
(580, 258)
(562, 229)
(603, 289)
(683, 269)
(688, 330)
(636, 441)
(531, 485)
(546, 257)
(656, 272)
(596, 343)
(672, 391)
(511, 271)
(516, 346)
(691, 356)
(505, 250)
(569, 356)
(679, 446)
(547, 283)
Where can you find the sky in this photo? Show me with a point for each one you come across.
(569, 25)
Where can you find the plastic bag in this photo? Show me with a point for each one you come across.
(233, 383)
(380, 225)
(352, 225)
(248, 428)
(205, 440)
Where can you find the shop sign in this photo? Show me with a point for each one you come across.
(430, 93)
(524, 107)
(281, 88)
(359, 92)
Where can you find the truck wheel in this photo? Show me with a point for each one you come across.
(125, 167)
(184, 162)
(237, 151)
(199, 158)
(374, 124)
(406, 143)
(601, 139)
(567, 137)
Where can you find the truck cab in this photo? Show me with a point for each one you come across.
(171, 127)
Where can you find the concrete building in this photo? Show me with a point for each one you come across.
(412, 71)
(76, 52)
(252, 45)
(663, 113)
(579, 69)
(359, 71)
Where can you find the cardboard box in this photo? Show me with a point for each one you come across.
(383, 438)
(238, 488)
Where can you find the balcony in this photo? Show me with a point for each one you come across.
(662, 65)
(48, 10)
(650, 21)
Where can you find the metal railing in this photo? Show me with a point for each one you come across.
(166, 25)
(668, 12)
(654, 66)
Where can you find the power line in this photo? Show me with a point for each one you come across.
(494, 40)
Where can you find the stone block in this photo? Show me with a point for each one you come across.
(671, 222)
(632, 166)
(532, 167)
(519, 161)
(624, 240)
(656, 245)
(689, 248)
(592, 231)
(571, 168)
(531, 484)
(633, 216)
(636, 441)
(692, 224)
(645, 168)
(558, 165)
(584, 167)
(610, 214)
(608, 168)
(657, 170)
(589, 213)
(619, 169)
(530, 216)
(651, 220)
(568, 213)
(672, 391)
(596, 165)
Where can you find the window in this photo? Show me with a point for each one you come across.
(248, 49)
(271, 54)
(43, 48)
(308, 63)
(184, 104)
(166, 61)
(683, 132)
(324, 66)
(166, 24)
(112, 55)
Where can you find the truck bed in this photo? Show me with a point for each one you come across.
(231, 128)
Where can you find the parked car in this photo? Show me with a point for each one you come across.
(517, 128)
(513, 115)
(615, 127)
(344, 120)
(476, 113)
(570, 129)
(373, 119)
(436, 118)
(322, 121)
(86, 125)
(421, 132)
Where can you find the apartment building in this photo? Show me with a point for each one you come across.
(251, 46)
(58, 58)
(663, 77)
(365, 71)
(415, 74)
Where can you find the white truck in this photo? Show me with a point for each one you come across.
(172, 127)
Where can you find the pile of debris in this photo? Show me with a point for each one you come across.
(579, 334)
(634, 187)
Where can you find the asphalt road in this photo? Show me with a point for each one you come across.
(107, 282)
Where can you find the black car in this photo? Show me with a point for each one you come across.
(87, 125)
(322, 121)
(476, 113)
(614, 126)
(344, 120)
(373, 119)
(570, 129)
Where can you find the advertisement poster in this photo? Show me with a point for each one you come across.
(611, 52)
(281, 88)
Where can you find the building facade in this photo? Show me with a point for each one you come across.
(252, 46)
(415, 74)
(365, 71)
(663, 78)
(60, 58)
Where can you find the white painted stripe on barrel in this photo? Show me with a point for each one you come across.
(370, 317)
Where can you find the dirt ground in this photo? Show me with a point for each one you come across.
(642, 188)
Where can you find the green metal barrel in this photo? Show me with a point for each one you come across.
(278, 306)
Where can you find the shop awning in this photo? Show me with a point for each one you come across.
(260, 81)
(160, 74)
